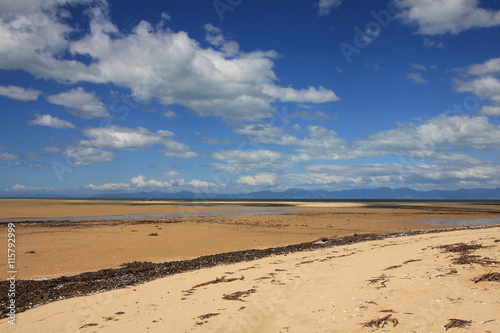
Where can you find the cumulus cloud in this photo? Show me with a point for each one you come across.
(80, 103)
(446, 16)
(19, 93)
(482, 80)
(261, 179)
(420, 176)
(220, 80)
(142, 182)
(49, 121)
(125, 138)
(440, 134)
(81, 155)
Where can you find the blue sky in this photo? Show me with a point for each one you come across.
(234, 96)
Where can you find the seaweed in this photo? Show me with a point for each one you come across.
(457, 323)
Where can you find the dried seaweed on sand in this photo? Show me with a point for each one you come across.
(491, 276)
(381, 322)
(457, 323)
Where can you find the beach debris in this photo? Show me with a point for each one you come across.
(460, 247)
(30, 252)
(382, 321)
(88, 325)
(383, 279)
(119, 313)
(153, 234)
(411, 260)
(465, 257)
(236, 296)
(491, 276)
(449, 272)
(457, 323)
(217, 280)
(392, 267)
(203, 318)
(388, 310)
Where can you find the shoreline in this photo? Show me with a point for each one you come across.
(135, 273)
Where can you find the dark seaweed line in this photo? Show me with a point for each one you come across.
(34, 293)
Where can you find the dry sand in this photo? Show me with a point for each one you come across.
(49, 249)
(329, 290)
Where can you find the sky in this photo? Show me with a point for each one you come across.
(236, 96)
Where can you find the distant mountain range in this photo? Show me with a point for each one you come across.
(291, 194)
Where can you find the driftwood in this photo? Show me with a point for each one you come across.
(457, 323)
(491, 276)
(382, 321)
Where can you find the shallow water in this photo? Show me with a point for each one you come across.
(256, 211)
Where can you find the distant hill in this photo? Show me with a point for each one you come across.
(293, 193)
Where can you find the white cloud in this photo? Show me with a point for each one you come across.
(247, 160)
(124, 138)
(325, 6)
(417, 175)
(80, 103)
(491, 66)
(141, 182)
(24, 188)
(169, 114)
(428, 42)
(81, 155)
(19, 93)
(482, 80)
(49, 121)
(247, 156)
(311, 95)
(419, 67)
(20, 164)
(30, 6)
(261, 179)
(446, 16)
(109, 187)
(220, 80)
(8, 157)
(416, 78)
(32, 38)
(439, 134)
(166, 16)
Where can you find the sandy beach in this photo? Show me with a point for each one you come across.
(319, 286)
(339, 289)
